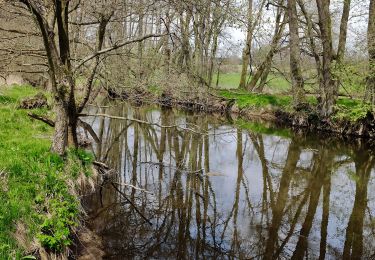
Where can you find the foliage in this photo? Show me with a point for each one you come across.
(33, 188)
(351, 110)
(352, 78)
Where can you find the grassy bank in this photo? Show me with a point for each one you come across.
(346, 108)
(275, 84)
(39, 207)
(352, 83)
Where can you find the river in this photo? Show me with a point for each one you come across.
(202, 188)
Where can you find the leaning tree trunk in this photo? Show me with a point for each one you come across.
(265, 66)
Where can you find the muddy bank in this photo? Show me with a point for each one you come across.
(302, 118)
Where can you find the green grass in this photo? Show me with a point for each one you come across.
(252, 100)
(346, 108)
(276, 84)
(353, 83)
(351, 109)
(33, 181)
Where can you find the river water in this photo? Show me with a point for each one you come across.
(203, 188)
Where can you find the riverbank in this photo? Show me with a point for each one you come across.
(351, 118)
(40, 210)
(42, 191)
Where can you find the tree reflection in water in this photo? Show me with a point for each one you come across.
(232, 193)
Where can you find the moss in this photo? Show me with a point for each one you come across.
(33, 186)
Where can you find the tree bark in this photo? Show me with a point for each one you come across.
(371, 52)
(328, 88)
(294, 49)
(247, 50)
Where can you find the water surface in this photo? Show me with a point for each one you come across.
(212, 190)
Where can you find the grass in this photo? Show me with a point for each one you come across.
(351, 109)
(37, 204)
(352, 83)
(346, 108)
(246, 99)
(276, 84)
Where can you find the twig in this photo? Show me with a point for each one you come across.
(116, 46)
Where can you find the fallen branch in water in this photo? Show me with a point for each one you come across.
(42, 118)
(105, 169)
(129, 201)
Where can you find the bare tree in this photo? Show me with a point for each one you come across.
(53, 22)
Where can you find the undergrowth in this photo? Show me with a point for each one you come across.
(34, 190)
(345, 109)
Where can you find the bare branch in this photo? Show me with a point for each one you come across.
(116, 46)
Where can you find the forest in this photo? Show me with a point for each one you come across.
(121, 107)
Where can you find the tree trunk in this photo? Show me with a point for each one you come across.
(247, 50)
(371, 51)
(343, 31)
(295, 66)
(60, 137)
(140, 44)
(328, 88)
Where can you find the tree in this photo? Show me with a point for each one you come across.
(294, 49)
(264, 68)
(371, 53)
(329, 85)
(328, 88)
(53, 22)
(247, 50)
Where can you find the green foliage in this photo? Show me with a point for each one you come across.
(351, 110)
(33, 180)
(352, 78)
(56, 226)
(79, 161)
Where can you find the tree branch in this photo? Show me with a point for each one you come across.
(116, 46)
(43, 119)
